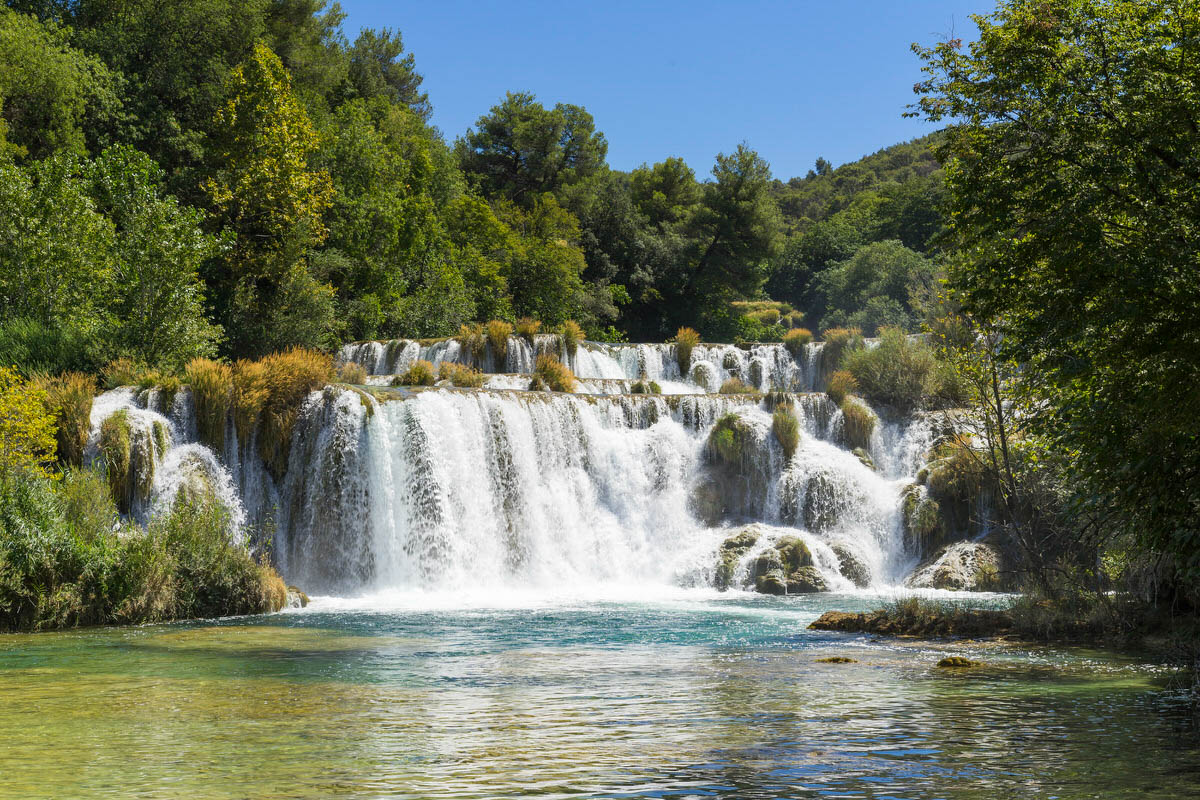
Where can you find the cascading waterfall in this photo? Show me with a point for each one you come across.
(449, 489)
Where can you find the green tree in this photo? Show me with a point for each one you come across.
(1074, 182)
(545, 274)
(379, 68)
(873, 287)
(521, 149)
(26, 426)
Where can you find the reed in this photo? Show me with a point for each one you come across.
(498, 332)
(571, 335)
(69, 400)
(796, 339)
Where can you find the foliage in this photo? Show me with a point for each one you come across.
(419, 373)
(839, 342)
(685, 341)
(1079, 113)
(27, 429)
(728, 441)
(554, 374)
(69, 398)
(116, 449)
(873, 287)
(900, 371)
(786, 428)
(34, 346)
(528, 328)
(735, 386)
(211, 384)
(473, 341)
(645, 387)
(286, 380)
(460, 375)
(842, 384)
(498, 332)
(796, 339)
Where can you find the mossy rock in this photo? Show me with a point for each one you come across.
(731, 552)
(296, 598)
(806, 580)
(771, 583)
(958, 662)
(865, 457)
(853, 568)
(794, 553)
(837, 660)
(707, 501)
(727, 441)
(767, 562)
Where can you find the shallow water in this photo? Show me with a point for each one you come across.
(691, 694)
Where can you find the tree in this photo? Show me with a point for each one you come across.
(545, 276)
(521, 149)
(26, 426)
(265, 192)
(159, 247)
(377, 69)
(1074, 182)
(873, 287)
(50, 93)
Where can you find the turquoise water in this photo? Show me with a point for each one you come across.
(687, 695)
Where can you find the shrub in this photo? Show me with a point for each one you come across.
(554, 374)
(34, 346)
(352, 372)
(528, 328)
(460, 375)
(249, 396)
(27, 436)
(795, 319)
(212, 392)
(472, 339)
(735, 386)
(69, 399)
(87, 503)
(572, 335)
(956, 471)
(841, 385)
(858, 424)
(419, 373)
(685, 340)
(900, 371)
(838, 342)
(795, 340)
(654, 387)
(121, 372)
(786, 429)
(498, 332)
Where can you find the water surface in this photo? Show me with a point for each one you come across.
(687, 695)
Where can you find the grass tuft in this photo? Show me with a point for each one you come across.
(460, 375)
(735, 386)
(786, 428)
(528, 328)
(554, 374)
(212, 392)
(419, 373)
(473, 340)
(572, 335)
(498, 332)
(858, 423)
(795, 340)
(352, 372)
(69, 399)
(841, 385)
(685, 341)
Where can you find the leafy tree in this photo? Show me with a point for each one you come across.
(56, 250)
(50, 93)
(521, 149)
(379, 68)
(545, 276)
(872, 288)
(665, 194)
(158, 308)
(1074, 182)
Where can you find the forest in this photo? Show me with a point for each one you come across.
(225, 180)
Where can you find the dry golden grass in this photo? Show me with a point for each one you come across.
(842, 384)
(858, 424)
(460, 375)
(419, 373)
(498, 332)
(571, 335)
(69, 399)
(685, 341)
(529, 328)
(795, 340)
(212, 392)
(473, 340)
(554, 374)
(352, 372)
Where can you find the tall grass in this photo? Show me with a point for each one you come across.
(841, 385)
(901, 371)
(858, 424)
(795, 340)
(727, 441)
(116, 448)
(554, 374)
(211, 383)
(786, 428)
(528, 328)
(69, 399)
(419, 373)
(352, 372)
(498, 332)
(249, 397)
(685, 341)
(735, 386)
(473, 340)
(460, 375)
(121, 372)
(839, 342)
(572, 335)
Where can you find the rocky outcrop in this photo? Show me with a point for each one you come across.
(853, 568)
(962, 566)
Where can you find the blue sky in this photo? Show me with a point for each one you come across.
(795, 80)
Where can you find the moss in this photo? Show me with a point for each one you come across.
(786, 428)
(793, 553)
(300, 596)
(654, 387)
(771, 583)
(554, 374)
(212, 393)
(796, 340)
(956, 662)
(841, 385)
(858, 423)
(685, 342)
(806, 580)
(727, 441)
(851, 566)
(837, 660)
(162, 437)
(864, 457)
(730, 554)
(116, 449)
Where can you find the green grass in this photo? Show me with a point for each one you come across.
(685, 341)
(786, 428)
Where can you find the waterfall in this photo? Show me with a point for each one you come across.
(445, 489)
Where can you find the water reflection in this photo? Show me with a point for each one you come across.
(703, 699)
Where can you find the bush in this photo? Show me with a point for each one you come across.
(768, 316)
(212, 392)
(735, 386)
(460, 375)
(121, 372)
(858, 424)
(528, 328)
(352, 372)
(955, 471)
(472, 339)
(419, 373)
(900, 372)
(838, 342)
(27, 440)
(786, 429)
(33, 347)
(795, 340)
(267, 398)
(554, 374)
(685, 340)
(69, 399)
(572, 335)
(841, 385)
(795, 319)
(498, 332)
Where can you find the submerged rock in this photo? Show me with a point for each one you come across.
(771, 583)
(731, 552)
(295, 598)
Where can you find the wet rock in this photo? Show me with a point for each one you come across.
(865, 457)
(295, 598)
(853, 568)
(957, 662)
(771, 583)
(794, 553)
(961, 566)
(731, 552)
(806, 580)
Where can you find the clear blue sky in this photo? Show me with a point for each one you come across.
(795, 80)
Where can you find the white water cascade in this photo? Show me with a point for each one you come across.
(445, 489)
